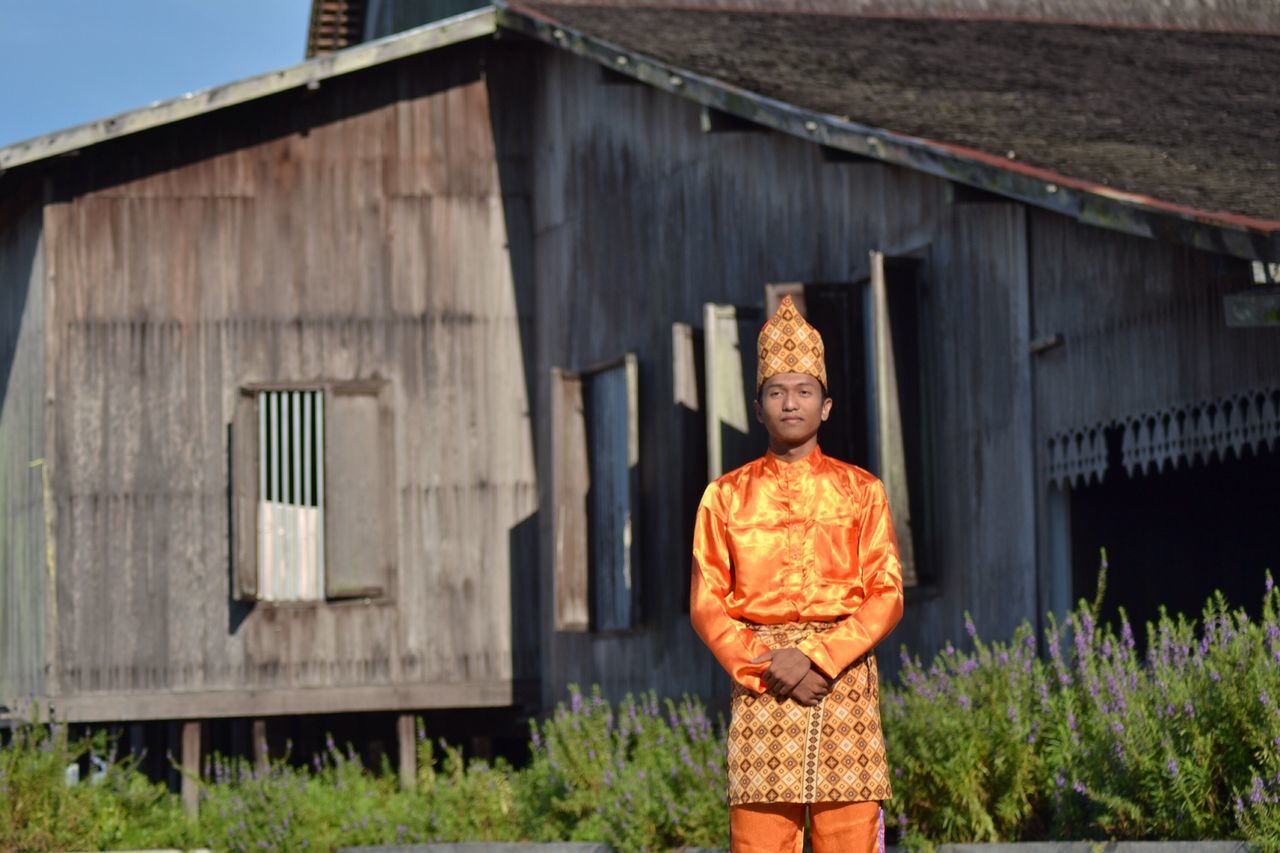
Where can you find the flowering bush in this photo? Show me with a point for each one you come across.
(648, 777)
(1093, 740)
(116, 808)
(1085, 738)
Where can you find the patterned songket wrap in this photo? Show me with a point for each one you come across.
(781, 751)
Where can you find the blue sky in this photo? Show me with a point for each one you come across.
(63, 62)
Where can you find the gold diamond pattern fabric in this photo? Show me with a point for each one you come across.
(782, 752)
(788, 344)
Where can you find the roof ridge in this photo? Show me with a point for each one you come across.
(748, 7)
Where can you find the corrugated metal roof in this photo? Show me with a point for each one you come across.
(310, 73)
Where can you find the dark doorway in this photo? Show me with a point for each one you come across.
(839, 313)
(1175, 537)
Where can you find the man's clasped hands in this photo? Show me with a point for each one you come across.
(791, 673)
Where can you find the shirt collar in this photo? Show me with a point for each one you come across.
(803, 465)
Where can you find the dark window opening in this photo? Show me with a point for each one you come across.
(1175, 537)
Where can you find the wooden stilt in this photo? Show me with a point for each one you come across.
(259, 735)
(482, 747)
(408, 746)
(191, 766)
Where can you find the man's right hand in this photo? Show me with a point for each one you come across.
(812, 687)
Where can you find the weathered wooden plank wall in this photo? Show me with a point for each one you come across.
(357, 232)
(1144, 314)
(23, 565)
(976, 318)
(640, 218)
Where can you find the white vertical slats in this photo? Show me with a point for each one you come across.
(317, 403)
(291, 459)
(297, 519)
(304, 481)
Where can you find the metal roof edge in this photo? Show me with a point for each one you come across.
(469, 25)
(1086, 202)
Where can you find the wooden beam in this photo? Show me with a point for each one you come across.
(609, 77)
(407, 745)
(713, 120)
(131, 707)
(965, 194)
(831, 154)
(191, 767)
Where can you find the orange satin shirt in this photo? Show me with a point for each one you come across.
(809, 540)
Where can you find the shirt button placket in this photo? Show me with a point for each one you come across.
(795, 573)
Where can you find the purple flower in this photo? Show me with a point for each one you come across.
(1173, 767)
(1078, 787)
(575, 701)
(969, 627)
(963, 701)
(1013, 714)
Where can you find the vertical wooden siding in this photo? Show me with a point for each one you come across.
(23, 563)
(355, 233)
(1146, 315)
(640, 219)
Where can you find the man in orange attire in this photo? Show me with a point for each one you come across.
(796, 578)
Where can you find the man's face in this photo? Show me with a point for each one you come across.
(792, 407)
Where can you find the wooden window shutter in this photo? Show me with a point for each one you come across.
(570, 482)
(898, 438)
(734, 437)
(244, 496)
(359, 490)
(613, 450)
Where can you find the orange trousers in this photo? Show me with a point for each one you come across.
(779, 827)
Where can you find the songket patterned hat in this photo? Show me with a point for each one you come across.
(788, 344)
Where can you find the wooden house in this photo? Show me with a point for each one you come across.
(390, 381)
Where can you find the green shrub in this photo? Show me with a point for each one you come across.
(1091, 741)
(990, 742)
(119, 809)
(335, 802)
(648, 777)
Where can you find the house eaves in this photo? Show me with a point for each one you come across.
(310, 74)
(1087, 202)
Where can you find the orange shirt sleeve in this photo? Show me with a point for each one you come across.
(881, 609)
(732, 642)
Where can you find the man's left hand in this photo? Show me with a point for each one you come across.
(786, 668)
